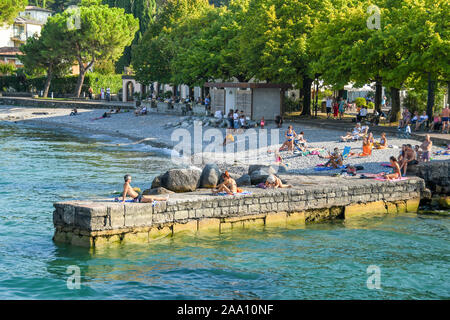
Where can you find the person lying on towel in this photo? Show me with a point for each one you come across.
(274, 182)
(228, 185)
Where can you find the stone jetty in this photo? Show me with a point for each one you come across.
(312, 199)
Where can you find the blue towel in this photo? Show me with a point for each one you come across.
(328, 168)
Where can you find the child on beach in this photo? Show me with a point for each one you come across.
(262, 123)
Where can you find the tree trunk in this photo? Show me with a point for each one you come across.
(395, 109)
(448, 93)
(80, 82)
(431, 95)
(307, 82)
(48, 80)
(378, 92)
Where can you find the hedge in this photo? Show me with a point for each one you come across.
(64, 85)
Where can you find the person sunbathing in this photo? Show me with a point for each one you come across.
(354, 135)
(367, 146)
(274, 182)
(289, 143)
(228, 185)
(396, 167)
(336, 159)
(383, 142)
(128, 191)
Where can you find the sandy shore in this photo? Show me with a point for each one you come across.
(154, 129)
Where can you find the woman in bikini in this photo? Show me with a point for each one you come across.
(367, 146)
(383, 142)
(289, 143)
(274, 182)
(228, 185)
(396, 174)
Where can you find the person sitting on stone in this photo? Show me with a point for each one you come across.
(274, 182)
(129, 191)
(228, 185)
(409, 158)
(397, 171)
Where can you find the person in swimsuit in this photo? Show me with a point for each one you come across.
(289, 143)
(409, 158)
(445, 119)
(262, 123)
(128, 191)
(336, 159)
(383, 142)
(436, 122)
(426, 147)
(274, 182)
(228, 185)
(397, 172)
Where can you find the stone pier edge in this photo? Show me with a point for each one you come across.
(99, 224)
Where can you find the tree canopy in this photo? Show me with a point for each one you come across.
(9, 9)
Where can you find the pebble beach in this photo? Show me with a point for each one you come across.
(157, 130)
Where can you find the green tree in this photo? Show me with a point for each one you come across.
(98, 33)
(275, 41)
(9, 9)
(153, 56)
(144, 10)
(46, 53)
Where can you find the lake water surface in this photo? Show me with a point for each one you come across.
(319, 261)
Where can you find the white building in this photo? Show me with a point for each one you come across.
(27, 24)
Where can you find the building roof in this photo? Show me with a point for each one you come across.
(34, 8)
(25, 20)
(9, 51)
(252, 85)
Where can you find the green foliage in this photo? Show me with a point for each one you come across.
(63, 85)
(7, 69)
(103, 33)
(291, 104)
(370, 105)
(144, 11)
(9, 10)
(360, 102)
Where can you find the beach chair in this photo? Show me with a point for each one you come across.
(346, 152)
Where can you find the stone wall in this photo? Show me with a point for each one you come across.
(41, 103)
(436, 175)
(93, 223)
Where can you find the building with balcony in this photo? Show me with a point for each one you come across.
(27, 24)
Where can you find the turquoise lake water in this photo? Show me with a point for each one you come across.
(319, 261)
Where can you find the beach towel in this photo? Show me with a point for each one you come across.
(384, 179)
(386, 165)
(328, 168)
(153, 203)
(226, 194)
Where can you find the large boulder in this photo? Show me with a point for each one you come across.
(244, 180)
(181, 180)
(156, 191)
(210, 176)
(260, 175)
(156, 183)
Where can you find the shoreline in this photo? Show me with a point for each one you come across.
(156, 130)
